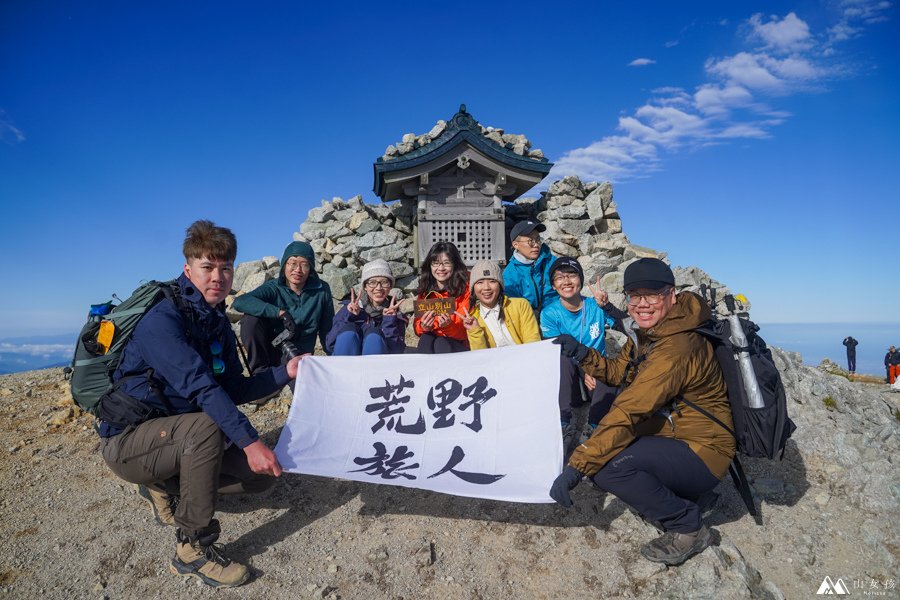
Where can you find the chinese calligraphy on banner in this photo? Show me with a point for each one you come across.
(483, 424)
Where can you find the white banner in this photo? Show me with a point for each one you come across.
(483, 423)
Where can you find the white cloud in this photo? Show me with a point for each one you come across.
(855, 14)
(45, 350)
(641, 62)
(663, 125)
(671, 96)
(9, 133)
(744, 69)
(743, 130)
(867, 11)
(789, 33)
(760, 71)
(734, 102)
(614, 157)
(719, 99)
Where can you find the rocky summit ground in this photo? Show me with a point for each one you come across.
(70, 529)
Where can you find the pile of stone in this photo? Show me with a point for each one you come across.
(582, 221)
(516, 142)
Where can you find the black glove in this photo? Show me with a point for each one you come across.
(566, 481)
(571, 347)
(289, 323)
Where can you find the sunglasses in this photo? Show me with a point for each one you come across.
(218, 365)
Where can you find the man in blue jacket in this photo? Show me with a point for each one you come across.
(181, 360)
(528, 273)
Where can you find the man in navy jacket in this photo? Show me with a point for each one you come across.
(205, 446)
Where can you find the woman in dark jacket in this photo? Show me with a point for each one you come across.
(370, 322)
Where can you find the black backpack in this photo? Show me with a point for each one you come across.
(761, 423)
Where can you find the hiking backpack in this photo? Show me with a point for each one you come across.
(761, 423)
(98, 349)
(755, 391)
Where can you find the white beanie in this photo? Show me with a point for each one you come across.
(485, 269)
(376, 268)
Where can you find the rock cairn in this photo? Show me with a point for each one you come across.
(582, 221)
(516, 142)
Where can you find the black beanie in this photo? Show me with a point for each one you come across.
(648, 273)
(567, 262)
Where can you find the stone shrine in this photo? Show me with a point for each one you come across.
(459, 174)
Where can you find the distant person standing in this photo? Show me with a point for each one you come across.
(895, 365)
(887, 365)
(851, 344)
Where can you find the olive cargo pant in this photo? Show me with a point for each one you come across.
(183, 455)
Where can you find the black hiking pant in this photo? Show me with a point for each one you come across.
(183, 455)
(851, 361)
(570, 382)
(438, 344)
(661, 478)
(257, 341)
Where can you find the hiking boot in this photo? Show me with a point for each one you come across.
(674, 548)
(161, 504)
(200, 557)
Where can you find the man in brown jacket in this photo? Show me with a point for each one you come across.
(655, 456)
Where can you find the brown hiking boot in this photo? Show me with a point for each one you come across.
(200, 557)
(674, 548)
(161, 504)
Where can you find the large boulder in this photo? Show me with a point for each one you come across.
(340, 280)
(244, 270)
(376, 239)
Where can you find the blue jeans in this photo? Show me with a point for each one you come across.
(354, 343)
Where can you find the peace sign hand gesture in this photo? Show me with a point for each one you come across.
(353, 305)
(468, 321)
(391, 308)
(600, 296)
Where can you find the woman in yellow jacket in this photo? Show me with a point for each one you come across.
(492, 319)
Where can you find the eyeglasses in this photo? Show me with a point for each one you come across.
(384, 284)
(565, 277)
(530, 242)
(446, 265)
(218, 365)
(294, 266)
(651, 299)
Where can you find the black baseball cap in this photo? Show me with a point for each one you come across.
(524, 228)
(648, 273)
(569, 264)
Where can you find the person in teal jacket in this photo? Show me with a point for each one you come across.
(297, 295)
(528, 273)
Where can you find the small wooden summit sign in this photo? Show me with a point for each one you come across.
(440, 306)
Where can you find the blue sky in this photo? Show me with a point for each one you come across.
(757, 141)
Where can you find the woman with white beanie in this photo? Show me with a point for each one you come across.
(369, 323)
(494, 320)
